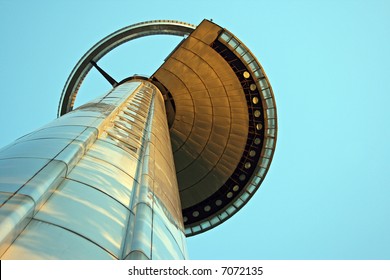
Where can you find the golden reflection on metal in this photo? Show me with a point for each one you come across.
(100, 182)
(119, 185)
(204, 126)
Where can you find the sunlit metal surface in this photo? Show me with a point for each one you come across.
(107, 179)
(111, 180)
(89, 213)
(224, 132)
(56, 241)
(103, 180)
(15, 213)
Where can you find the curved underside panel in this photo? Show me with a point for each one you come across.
(220, 124)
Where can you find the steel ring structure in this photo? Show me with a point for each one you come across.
(225, 128)
(100, 49)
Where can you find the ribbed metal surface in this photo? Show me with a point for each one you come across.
(224, 132)
(97, 183)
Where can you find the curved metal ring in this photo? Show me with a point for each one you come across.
(142, 29)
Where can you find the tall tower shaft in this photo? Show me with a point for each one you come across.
(104, 185)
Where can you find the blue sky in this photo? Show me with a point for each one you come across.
(327, 193)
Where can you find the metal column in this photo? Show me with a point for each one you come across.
(96, 183)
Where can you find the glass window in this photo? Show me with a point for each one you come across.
(262, 172)
(266, 93)
(223, 216)
(270, 143)
(267, 153)
(263, 84)
(271, 113)
(271, 132)
(250, 189)
(248, 57)
(215, 220)
(225, 36)
(264, 162)
(205, 225)
(241, 50)
(245, 196)
(270, 103)
(256, 180)
(254, 66)
(188, 231)
(271, 123)
(259, 74)
(231, 210)
(238, 203)
(233, 43)
(196, 229)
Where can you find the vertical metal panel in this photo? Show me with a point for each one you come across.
(27, 183)
(45, 241)
(165, 246)
(136, 255)
(16, 172)
(42, 148)
(87, 212)
(15, 213)
(157, 192)
(106, 178)
(113, 154)
(106, 192)
(64, 132)
(43, 184)
(141, 239)
(74, 120)
(168, 225)
(71, 154)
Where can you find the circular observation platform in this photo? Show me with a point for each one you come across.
(224, 122)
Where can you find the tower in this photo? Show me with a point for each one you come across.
(130, 174)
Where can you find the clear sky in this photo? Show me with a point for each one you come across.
(327, 194)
